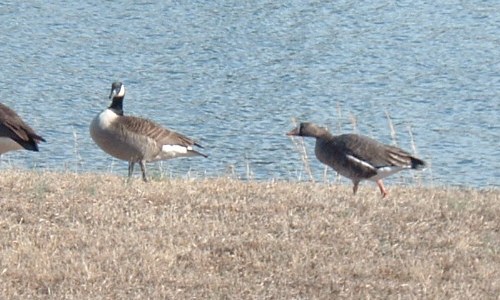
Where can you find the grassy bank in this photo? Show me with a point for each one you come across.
(94, 236)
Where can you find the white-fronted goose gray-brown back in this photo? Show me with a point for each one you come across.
(15, 134)
(358, 157)
(134, 139)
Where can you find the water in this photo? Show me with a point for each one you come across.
(233, 74)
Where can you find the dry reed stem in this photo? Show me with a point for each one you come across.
(391, 127)
(416, 175)
(354, 123)
(339, 118)
(95, 237)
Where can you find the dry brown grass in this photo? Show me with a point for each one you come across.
(95, 237)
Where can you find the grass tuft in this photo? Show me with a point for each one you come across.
(85, 236)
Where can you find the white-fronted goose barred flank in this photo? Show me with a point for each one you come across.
(15, 134)
(358, 157)
(134, 139)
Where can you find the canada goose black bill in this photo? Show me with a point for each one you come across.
(135, 139)
(358, 157)
(15, 134)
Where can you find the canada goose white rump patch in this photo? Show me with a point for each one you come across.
(175, 150)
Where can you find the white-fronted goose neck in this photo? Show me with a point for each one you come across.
(15, 134)
(134, 139)
(358, 157)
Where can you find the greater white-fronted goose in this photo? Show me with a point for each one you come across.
(15, 134)
(358, 157)
(134, 139)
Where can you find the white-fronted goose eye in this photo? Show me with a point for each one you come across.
(134, 139)
(358, 157)
(15, 134)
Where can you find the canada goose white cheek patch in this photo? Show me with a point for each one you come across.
(121, 92)
(175, 149)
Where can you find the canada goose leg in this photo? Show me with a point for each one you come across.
(355, 187)
(143, 169)
(382, 188)
(130, 169)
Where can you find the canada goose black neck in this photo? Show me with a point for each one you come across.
(117, 105)
(117, 94)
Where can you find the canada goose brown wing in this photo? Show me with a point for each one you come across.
(12, 126)
(155, 131)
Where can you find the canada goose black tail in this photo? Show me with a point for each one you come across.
(31, 144)
(199, 153)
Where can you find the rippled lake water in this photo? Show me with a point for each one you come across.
(233, 75)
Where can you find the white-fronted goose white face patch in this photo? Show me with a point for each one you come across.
(106, 117)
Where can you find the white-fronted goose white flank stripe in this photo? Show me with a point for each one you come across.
(15, 134)
(358, 157)
(134, 139)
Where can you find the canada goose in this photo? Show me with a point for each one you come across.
(358, 157)
(15, 134)
(134, 139)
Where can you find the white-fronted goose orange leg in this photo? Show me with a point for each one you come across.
(382, 188)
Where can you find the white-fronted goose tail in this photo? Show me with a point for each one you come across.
(358, 157)
(134, 139)
(15, 134)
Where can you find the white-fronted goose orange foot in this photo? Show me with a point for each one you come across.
(15, 134)
(358, 157)
(134, 139)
